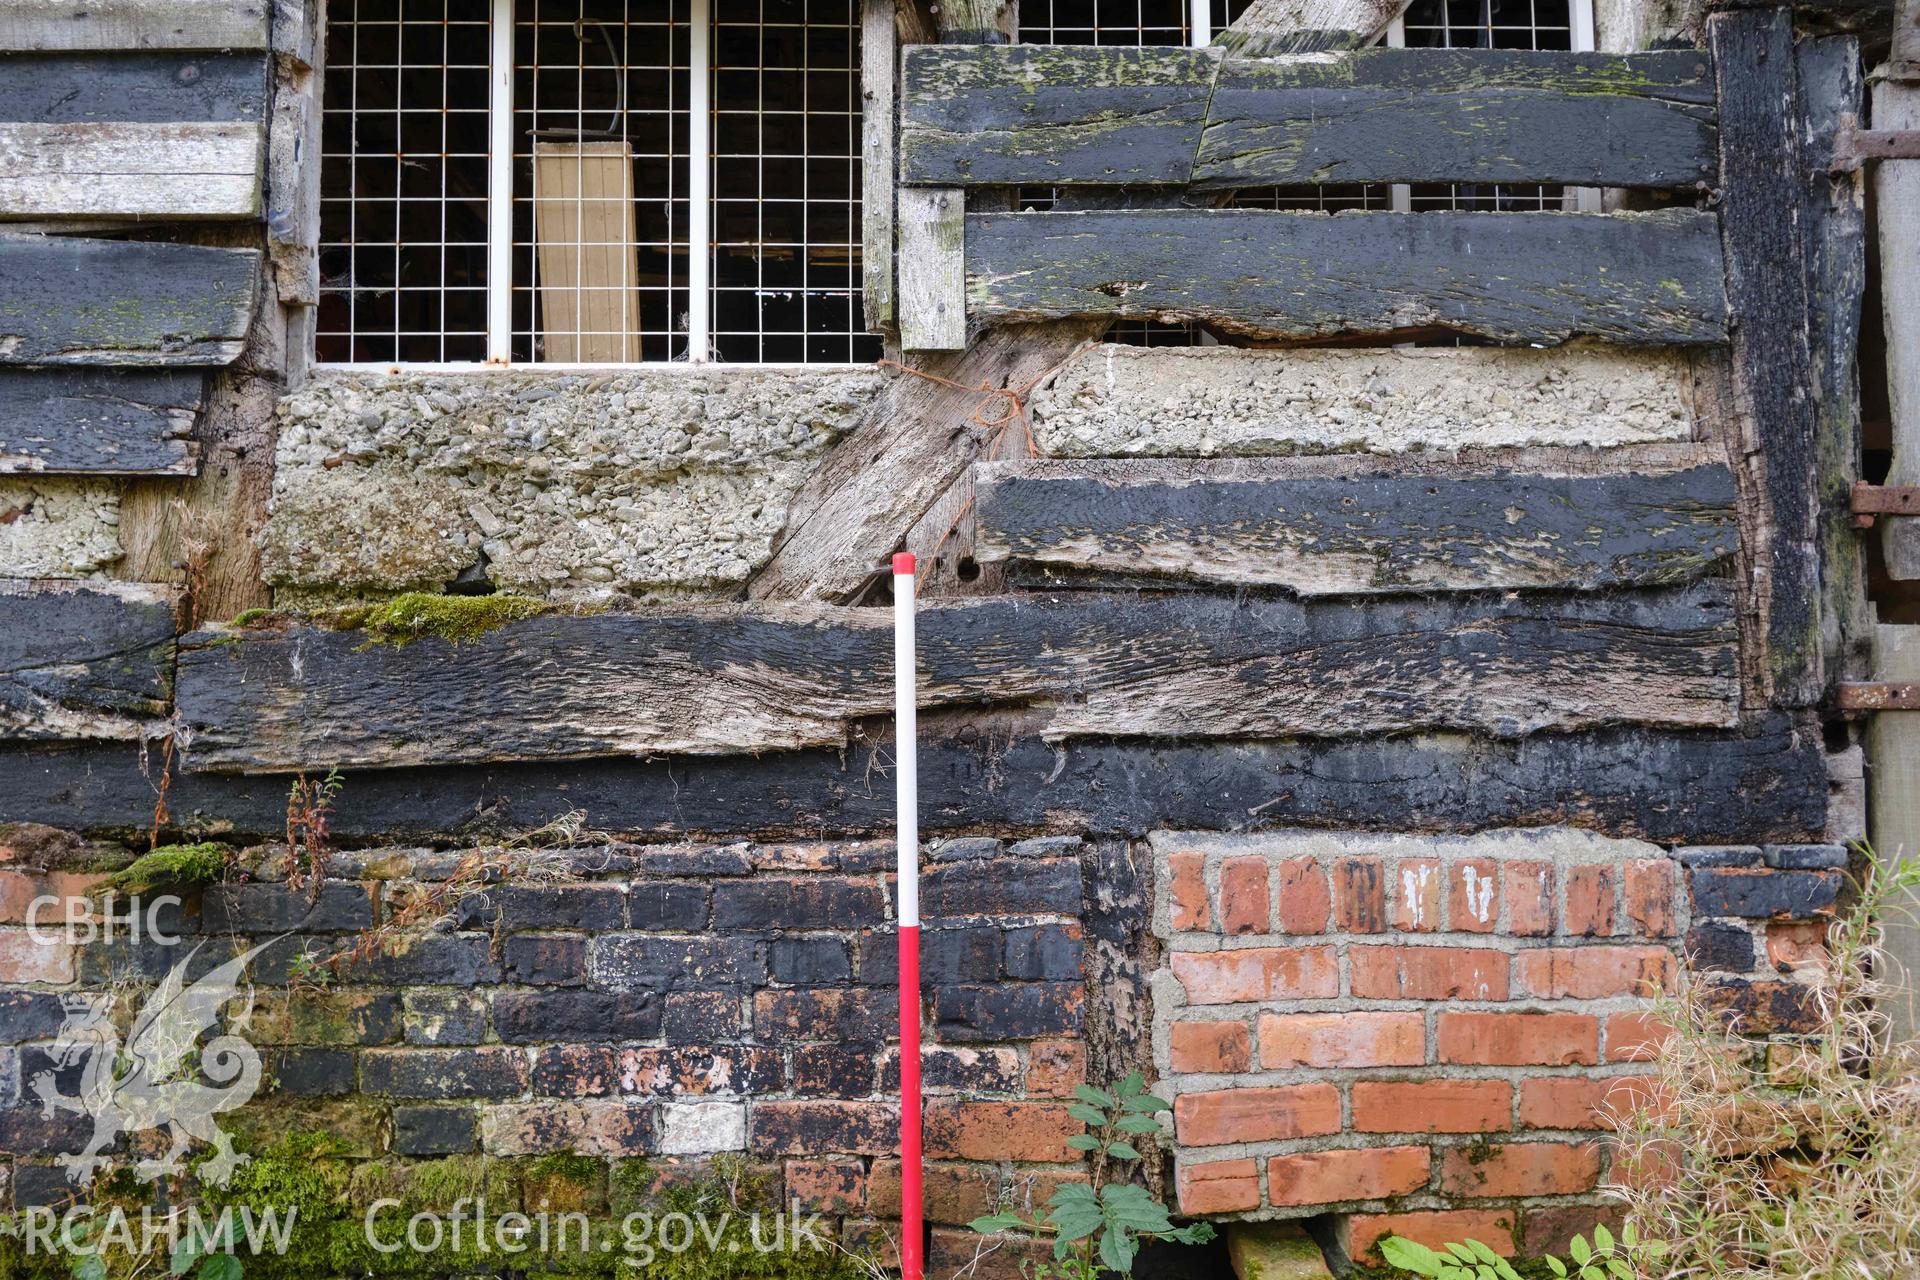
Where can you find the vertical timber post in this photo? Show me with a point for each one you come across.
(1761, 184)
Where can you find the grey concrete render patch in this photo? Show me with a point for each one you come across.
(577, 484)
(1562, 846)
(1206, 402)
(57, 528)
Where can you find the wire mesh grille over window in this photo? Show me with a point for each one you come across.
(599, 222)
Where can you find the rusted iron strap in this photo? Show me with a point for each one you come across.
(1854, 147)
(1879, 695)
(1873, 500)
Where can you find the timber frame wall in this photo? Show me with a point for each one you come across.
(1629, 652)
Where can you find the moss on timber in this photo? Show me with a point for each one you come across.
(418, 615)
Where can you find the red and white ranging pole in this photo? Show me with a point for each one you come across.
(907, 801)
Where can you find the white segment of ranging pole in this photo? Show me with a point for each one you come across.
(906, 765)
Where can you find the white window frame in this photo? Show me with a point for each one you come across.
(499, 289)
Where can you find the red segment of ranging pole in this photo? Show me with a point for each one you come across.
(907, 801)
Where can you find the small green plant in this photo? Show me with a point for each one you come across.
(1626, 1258)
(1097, 1226)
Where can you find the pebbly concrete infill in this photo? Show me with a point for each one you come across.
(663, 482)
(1117, 401)
(54, 527)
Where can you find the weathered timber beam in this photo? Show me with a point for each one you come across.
(1272, 28)
(54, 25)
(1056, 114)
(1513, 277)
(932, 300)
(111, 302)
(1829, 73)
(879, 47)
(99, 421)
(912, 443)
(722, 679)
(1580, 519)
(1767, 783)
(1761, 213)
(194, 170)
(1462, 115)
(1131, 117)
(83, 660)
(134, 88)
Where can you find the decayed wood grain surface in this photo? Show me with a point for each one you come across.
(910, 445)
(1764, 783)
(1317, 526)
(1513, 277)
(932, 299)
(51, 25)
(99, 421)
(83, 660)
(1761, 215)
(725, 679)
(110, 302)
(1130, 117)
(192, 170)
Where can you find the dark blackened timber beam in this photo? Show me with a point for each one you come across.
(715, 680)
(115, 302)
(1762, 209)
(1651, 278)
(134, 88)
(1572, 519)
(1767, 783)
(1131, 117)
(83, 660)
(99, 421)
(1462, 115)
(1056, 114)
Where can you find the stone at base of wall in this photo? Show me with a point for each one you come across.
(1274, 1251)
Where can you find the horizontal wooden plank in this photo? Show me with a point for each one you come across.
(1512, 277)
(715, 680)
(134, 88)
(1467, 115)
(995, 114)
(52, 25)
(99, 421)
(1579, 519)
(83, 660)
(117, 302)
(131, 170)
(1767, 783)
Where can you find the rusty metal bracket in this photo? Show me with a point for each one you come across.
(1853, 147)
(1878, 695)
(1871, 501)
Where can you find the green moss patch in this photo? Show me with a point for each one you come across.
(418, 615)
(171, 866)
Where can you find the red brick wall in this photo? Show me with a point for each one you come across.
(1422, 1031)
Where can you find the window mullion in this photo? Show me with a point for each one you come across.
(700, 183)
(500, 186)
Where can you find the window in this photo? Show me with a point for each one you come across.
(520, 181)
